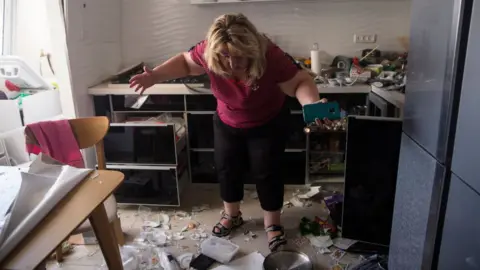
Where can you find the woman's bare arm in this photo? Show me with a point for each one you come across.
(303, 87)
(176, 67)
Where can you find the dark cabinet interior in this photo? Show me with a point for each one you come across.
(327, 153)
(140, 144)
(203, 167)
(297, 138)
(148, 186)
(200, 130)
(201, 103)
(156, 146)
(292, 168)
(377, 106)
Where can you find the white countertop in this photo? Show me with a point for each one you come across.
(180, 89)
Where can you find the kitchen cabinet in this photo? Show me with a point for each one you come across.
(160, 151)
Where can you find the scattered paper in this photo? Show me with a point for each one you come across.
(324, 251)
(320, 241)
(161, 221)
(181, 215)
(343, 243)
(296, 202)
(313, 191)
(337, 255)
(252, 261)
(184, 260)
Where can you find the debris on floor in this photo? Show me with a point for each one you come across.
(311, 193)
(337, 255)
(340, 266)
(168, 262)
(343, 243)
(181, 215)
(158, 221)
(184, 260)
(303, 199)
(374, 262)
(320, 242)
(300, 241)
(219, 249)
(253, 260)
(200, 208)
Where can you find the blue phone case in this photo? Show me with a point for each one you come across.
(330, 110)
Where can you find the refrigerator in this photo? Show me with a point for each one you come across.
(436, 219)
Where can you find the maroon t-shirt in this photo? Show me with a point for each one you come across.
(242, 106)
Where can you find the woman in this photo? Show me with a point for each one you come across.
(250, 78)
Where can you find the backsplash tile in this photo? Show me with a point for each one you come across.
(154, 30)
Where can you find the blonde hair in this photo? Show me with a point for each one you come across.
(242, 38)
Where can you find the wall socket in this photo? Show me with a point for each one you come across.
(368, 38)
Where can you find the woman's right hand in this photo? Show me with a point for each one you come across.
(142, 82)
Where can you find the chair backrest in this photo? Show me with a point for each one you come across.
(88, 132)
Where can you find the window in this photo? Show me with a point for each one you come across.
(7, 15)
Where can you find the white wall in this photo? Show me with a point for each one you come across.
(94, 46)
(94, 50)
(154, 30)
(31, 31)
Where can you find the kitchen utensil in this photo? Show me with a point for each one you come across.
(287, 260)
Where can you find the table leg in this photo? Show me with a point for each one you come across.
(106, 238)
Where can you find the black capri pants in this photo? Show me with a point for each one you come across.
(253, 152)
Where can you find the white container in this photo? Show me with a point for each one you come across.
(219, 249)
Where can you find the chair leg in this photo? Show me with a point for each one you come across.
(117, 229)
(59, 253)
(106, 238)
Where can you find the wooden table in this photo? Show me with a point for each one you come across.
(84, 201)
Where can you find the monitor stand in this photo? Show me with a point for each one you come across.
(368, 248)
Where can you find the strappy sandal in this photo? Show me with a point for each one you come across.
(277, 241)
(220, 230)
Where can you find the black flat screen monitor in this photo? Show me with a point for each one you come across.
(371, 163)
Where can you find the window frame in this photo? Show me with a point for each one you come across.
(9, 11)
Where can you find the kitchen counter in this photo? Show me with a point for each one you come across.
(396, 98)
(181, 89)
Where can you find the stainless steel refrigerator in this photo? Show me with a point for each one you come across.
(436, 222)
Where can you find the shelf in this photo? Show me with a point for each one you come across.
(327, 179)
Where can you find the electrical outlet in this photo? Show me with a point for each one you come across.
(372, 38)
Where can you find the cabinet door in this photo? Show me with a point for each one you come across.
(417, 200)
(377, 106)
(460, 246)
(467, 149)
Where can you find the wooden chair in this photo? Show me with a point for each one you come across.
(90, 132)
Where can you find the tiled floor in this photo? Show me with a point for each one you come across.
(90, 257)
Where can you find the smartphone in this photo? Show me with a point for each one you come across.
(329, 110)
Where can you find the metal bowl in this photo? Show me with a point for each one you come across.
(287, 260)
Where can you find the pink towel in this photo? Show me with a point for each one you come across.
(56, 139)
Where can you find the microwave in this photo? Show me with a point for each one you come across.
(144, 143)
